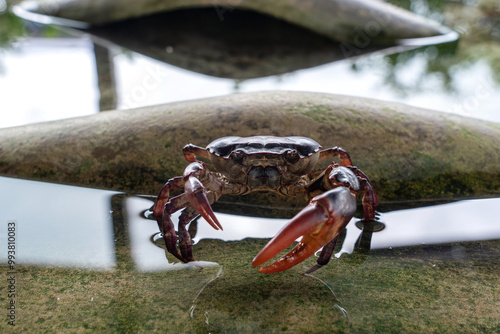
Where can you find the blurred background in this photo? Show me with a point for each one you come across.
(49, 73)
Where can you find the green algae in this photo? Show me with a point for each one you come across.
(446, 288)
(407, 152)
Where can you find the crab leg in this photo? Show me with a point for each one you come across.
(164, 196)
(168, 229)
(336, 151)
(370, 199)
(319, 223)
(185, 242)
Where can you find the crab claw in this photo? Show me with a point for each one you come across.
(318, 223)
(196, 195)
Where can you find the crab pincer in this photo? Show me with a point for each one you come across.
(318, 223)
(197, 197)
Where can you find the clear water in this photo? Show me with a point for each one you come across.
(73, 227)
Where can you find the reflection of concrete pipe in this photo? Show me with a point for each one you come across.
(350, 21)
(197, 41)
(124, 259)
(106, 78)
(239, 47)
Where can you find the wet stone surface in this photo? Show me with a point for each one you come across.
(405, 290)
(407, 152)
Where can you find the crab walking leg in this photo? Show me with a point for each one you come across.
(164, 196)
(190, 151)
(319, 223)
(167, 226)
(336, 151)
(370, 199)
(185, 243)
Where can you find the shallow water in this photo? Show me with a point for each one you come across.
(71, 226)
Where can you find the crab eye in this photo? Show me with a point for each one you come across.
(237, 156)
(292, 156)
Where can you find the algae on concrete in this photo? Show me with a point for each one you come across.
(451, 288)
(407, 152)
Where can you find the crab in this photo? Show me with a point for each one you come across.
(284, 165)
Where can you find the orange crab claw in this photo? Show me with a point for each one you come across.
(195, 193)
(318, 223)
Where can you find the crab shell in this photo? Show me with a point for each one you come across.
(271, 157)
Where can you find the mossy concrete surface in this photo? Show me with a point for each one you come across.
(407, 152)
(450, 288)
